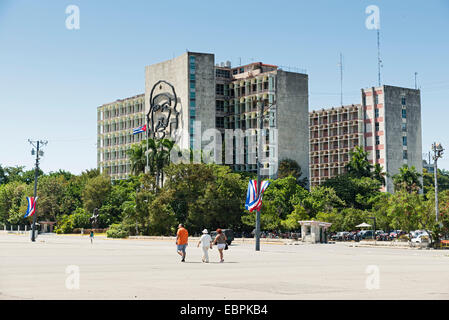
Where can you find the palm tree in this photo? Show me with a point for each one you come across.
(163, 147)
(378, 174)
(358, 165)
(137, 158)
(408, 179)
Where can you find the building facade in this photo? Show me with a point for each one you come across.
(387, 124)
(225, 99)
(115, 123)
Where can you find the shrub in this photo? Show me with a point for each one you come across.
(117, 231)
(65, 224)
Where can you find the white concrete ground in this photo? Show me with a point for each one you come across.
(151, 269)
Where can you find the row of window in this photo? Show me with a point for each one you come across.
(115, 141)
(121, 111)
(376, 100)
(122, 125)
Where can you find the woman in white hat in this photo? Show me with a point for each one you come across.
(206, 243)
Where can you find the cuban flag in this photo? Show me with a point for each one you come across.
(31, 207)
(140, 129)
(252, 201)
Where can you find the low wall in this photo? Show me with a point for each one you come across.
(391, 244)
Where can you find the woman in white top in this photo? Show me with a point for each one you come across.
(206, 243)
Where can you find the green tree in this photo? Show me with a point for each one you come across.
(95, 192)
(289, 167)
(407, 179)
(359, 165)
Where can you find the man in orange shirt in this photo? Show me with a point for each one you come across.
(181, 241)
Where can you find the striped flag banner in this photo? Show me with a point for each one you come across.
(31, 206)
(252, 201)
(140, 129)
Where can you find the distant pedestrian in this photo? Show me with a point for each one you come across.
(181, 241)
(220, 241)
(91, 236)
(206, 243)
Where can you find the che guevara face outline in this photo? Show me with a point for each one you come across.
(163, 111)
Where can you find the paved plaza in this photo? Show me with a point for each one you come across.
(151, 269)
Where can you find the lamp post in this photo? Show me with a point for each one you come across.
(259, 157)
(374, 226)
(437, 149)
(39, 153)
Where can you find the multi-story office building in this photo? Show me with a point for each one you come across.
(222, 97)
(387, 124)
(115, 123)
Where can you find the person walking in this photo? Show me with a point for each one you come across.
(220, 241)
(206, 243)
(91, 236)
(181, 241)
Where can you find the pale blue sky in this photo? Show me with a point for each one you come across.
(52, 79)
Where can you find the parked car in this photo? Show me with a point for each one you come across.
(341, 236)
(365, 234)
(421, 238)
(229, 233)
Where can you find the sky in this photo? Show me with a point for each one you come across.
(52, 79)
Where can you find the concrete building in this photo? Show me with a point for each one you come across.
(387, 124)
(221, 97)
(115, 123)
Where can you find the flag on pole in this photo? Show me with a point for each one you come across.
(140, 129)
(31, 206)
(252, 201)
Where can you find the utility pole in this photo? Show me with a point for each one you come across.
(437, 153)
(37, 145)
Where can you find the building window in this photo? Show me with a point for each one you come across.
(376, 113)
(403, 101)
(219, 89)
(192, 84)
(192, 95)
(364, 100)
(192, 77)
(219, 106)
(192, 103)
(376, 99)
(219, 122)
(377, 154)
(404, 113)
(404, 141)
(404, 155)
(404, 127)
(377, 126)
(377, 140)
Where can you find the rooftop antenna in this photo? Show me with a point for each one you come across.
(416, 83)
(379, 61)
(341, 78)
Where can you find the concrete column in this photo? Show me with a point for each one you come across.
(11, 227)
(18, 227)
(25, 227)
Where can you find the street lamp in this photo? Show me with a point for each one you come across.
(259, 156)
(437, 149)
(39, 153)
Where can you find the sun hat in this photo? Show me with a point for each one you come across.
(205, 231)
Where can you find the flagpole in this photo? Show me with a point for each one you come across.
(36, 172)
(259, 152)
